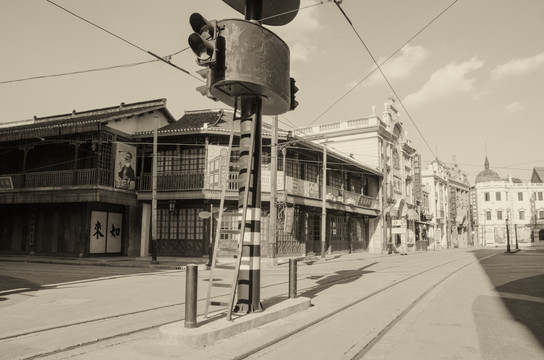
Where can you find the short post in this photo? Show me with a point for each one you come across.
(516, 233)
(507, 237)
(292, 278)
(191, 296)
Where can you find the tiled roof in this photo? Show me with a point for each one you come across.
(538, 175)
(88, 117)
(209, 120)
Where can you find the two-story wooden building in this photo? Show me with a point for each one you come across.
(67, 187)
(80, 185)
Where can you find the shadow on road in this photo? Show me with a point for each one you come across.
(519, 280)
(338, 278)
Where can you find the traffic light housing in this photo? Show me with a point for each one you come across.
(209, 49)
(203, 40)
(293, 90)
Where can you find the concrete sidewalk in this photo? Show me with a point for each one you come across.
(166, 263)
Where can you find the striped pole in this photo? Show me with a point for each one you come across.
(249, 280)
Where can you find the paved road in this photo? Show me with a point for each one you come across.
(462, 317)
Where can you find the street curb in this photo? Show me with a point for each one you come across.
(219, 328)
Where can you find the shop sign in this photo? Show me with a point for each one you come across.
(106, 232)
(401, 223)
(398, 230)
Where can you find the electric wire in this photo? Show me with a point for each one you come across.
(90, 70)
(384, 76)
(374, 70)
(124, 40)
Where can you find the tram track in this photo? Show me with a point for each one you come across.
(367, 346)
(172, 308)
(324, 284)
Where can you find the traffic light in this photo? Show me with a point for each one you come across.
(293, 91)
(203, 40)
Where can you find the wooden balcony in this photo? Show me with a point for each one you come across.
(61, 178)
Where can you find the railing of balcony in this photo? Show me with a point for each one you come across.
(61, 178)
(173, 181)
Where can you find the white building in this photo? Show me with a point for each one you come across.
(381, 142)
(508, 209)
(449, 206)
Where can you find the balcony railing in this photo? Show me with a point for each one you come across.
(60, 178)
(174, 181)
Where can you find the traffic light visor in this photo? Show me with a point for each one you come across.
(200, 25)
(202, 48)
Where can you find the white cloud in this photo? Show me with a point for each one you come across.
(300, 32)
(449, 80)
(513, 107)
(402, 65)
(518, 66)
(301, 51)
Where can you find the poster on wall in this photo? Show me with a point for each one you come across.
(106, 232)
(125, 166)
(217, 166)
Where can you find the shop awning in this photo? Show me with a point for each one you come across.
(412, 215)
(399, 207)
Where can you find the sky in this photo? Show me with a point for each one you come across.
(469, 84)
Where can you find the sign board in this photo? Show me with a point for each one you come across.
(106, 232)
(401, 223)
(398, 230)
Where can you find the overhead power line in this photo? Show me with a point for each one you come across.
(124, 40)
(90, 70)
(385, 77)
(383, 62)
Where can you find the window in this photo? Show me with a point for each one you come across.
(541, 214)
(520, 196)
(499, 215)
(522, 215)
(487, 197)
(488, 215)
(540, 198)
(498, 196)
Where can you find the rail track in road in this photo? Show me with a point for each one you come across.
(367, 346)
(169, 313)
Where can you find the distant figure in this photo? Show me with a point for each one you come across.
(127, 175)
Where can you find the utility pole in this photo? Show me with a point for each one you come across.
(273, 187)
(154, 195)
(324, 201)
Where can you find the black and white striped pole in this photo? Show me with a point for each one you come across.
(248, 69)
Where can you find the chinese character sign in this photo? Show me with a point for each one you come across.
(106, 232)
(99, 221)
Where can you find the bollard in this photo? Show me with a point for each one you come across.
(292, 278)
(191, 295)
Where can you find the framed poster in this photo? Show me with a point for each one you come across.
(125, 166)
